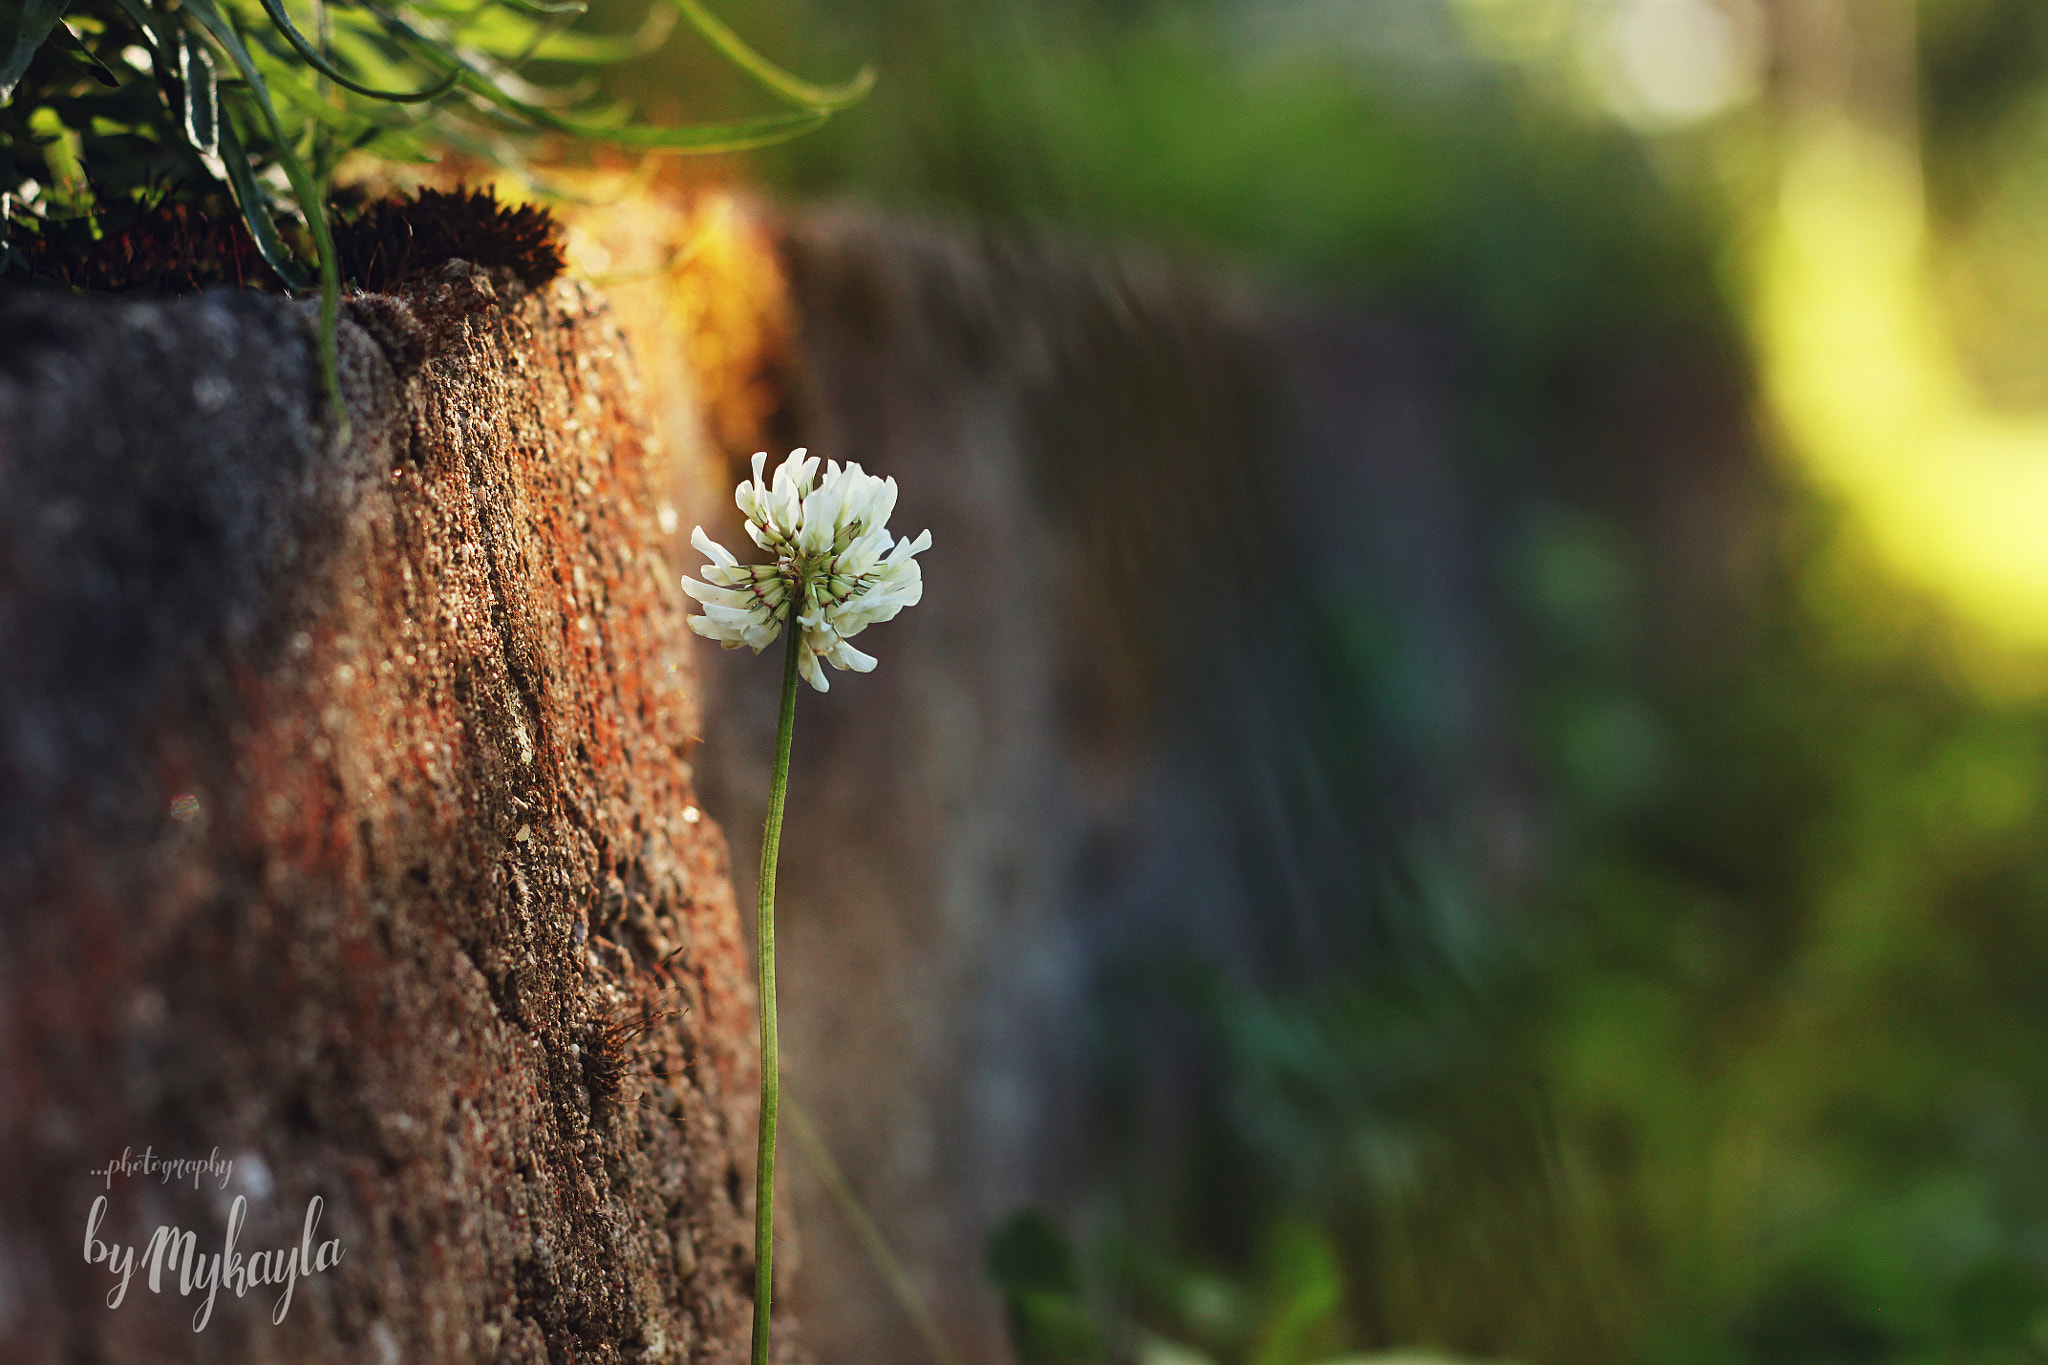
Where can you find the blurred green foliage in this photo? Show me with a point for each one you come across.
(1033, 1265)
(1752, 1067)
(1755, 1078)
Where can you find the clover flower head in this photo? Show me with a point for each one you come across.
(835, 562)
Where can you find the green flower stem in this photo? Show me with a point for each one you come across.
(764, 919)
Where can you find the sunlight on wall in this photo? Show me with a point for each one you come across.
(1872, 397)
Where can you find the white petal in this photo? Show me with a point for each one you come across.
(860, 505)
(885, 501)
(724, 597)
(713, 630)
(750, 492)
(797, 471)
(845, 655)
(821, 520)
(859, 557)
(906, 548)
(785, 504)
(711, 549)
(807, 664)
(736, 619)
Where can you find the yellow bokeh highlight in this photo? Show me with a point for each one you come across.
(1872, 396)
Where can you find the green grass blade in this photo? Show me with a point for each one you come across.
(65, 39)
(199, 102)
(870, 1236)
(155, 28)
(306, 192)
(536, 7)
(255, 206)
(313, 58)
(583, 49)
(792, 88)
(736, 136)
(739, 135)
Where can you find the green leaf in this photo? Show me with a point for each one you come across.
(1027, 1251)
(792, 88)
(1303, 1291)
(583, 49)
(1033, 1265)
(200, 105)
(736, 136)
(21, 35)
(313, 58)
(155, 27)
(536, 7)
(63, 37)
(255, 206)
(1054, 1329)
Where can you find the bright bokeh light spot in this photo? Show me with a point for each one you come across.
(1657, 64)
(1676, 61)
(1872, 395)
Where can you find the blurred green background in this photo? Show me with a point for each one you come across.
(1743, 1059)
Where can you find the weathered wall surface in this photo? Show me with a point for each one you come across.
(347, 828)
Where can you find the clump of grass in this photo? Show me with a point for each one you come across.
(140, 116)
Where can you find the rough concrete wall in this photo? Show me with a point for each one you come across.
(347, 828)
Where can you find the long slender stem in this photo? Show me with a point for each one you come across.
(764, 919)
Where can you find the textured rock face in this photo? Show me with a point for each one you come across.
(347, 831)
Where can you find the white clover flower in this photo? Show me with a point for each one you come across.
(833, 555)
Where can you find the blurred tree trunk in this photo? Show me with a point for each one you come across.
(347, 832)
